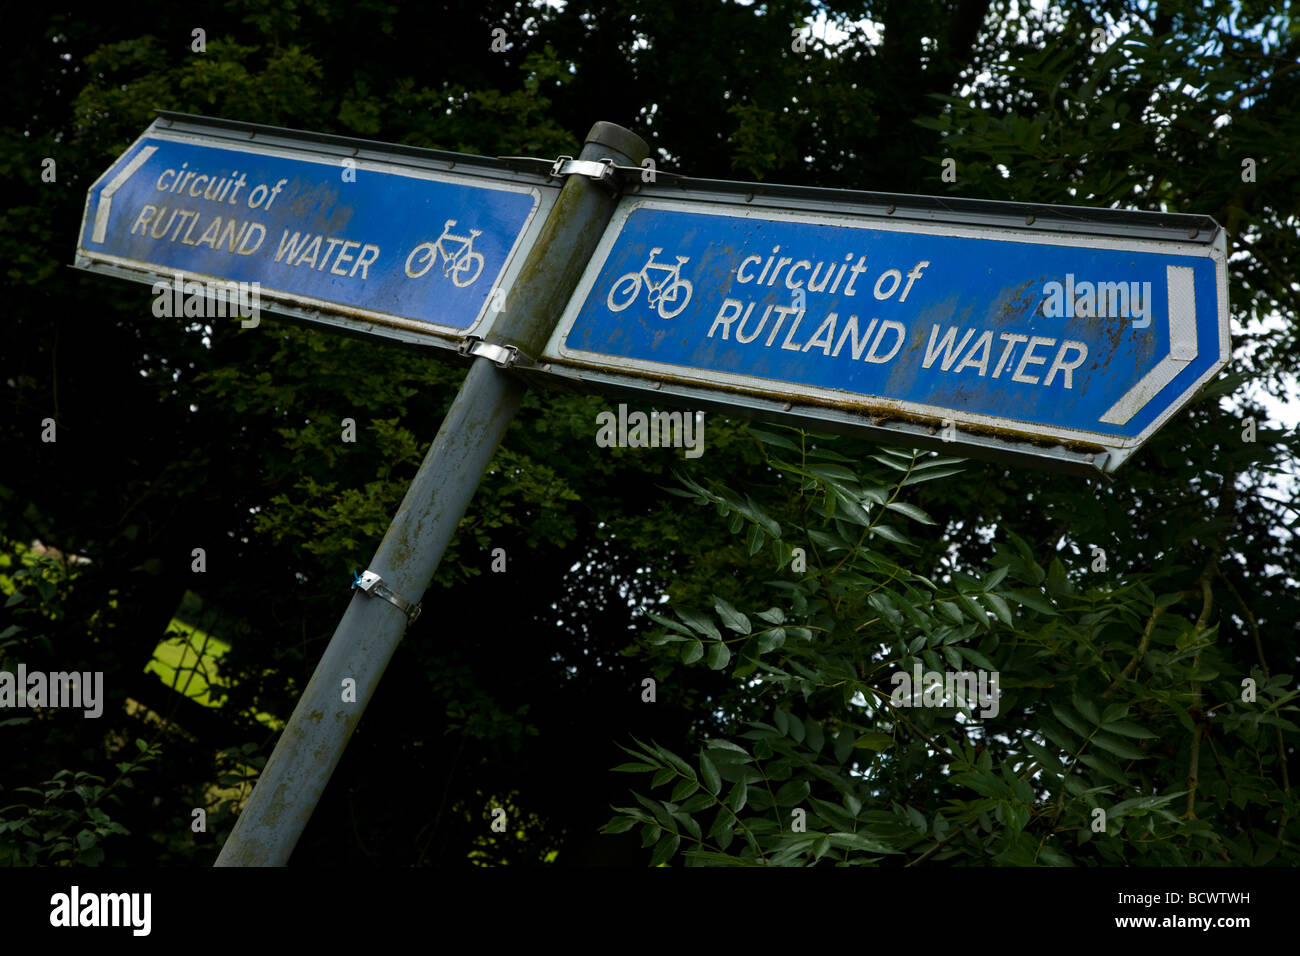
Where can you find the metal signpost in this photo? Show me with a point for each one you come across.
(382, 259)
(413, 244)
(1060, 335)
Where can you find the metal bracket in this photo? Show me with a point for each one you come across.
(372, 585)
(503, 356)
(565, 165)
(597, 170)
(600, 171)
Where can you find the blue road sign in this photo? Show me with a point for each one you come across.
(388, 242)
(1075, 339)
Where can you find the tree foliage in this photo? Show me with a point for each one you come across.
(1117, 695)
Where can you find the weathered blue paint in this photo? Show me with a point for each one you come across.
(411, 243)
(643, 314)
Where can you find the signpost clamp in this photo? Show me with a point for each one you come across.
(601, 171)
(372, 585)
(503, 356)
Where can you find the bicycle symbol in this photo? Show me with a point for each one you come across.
(462, 264)
(662, 294)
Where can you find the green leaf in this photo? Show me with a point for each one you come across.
(1053, 857)
(1087, 708)
(949, 610)
(977, 613)
(721, 825)
(814, 736)
(994, 577)
(1049, 761)
(731, 618)
(1035, 602)
(1016, 815)
(701, 801)
(1057, 582)
(738, 796)
(1114, 712)
(650, 833)
(688, 821)
(985, 784)
(796, 732)
(903, 466)
(683, 790)
(714, 743)
(1106, 766)
(771, 438)
(792, 793)
(654, 806)
(668, 623)
(890, 533)
(919, 476)
(1128, 729)
(1117, 746)
(682, 766)
(1072, 721)
(699, 623)
(619, 825)
(709, 774)
(976, 658)
(874, 740)
(719, 656)
(912, 511)
(1143, 803)
(834, 475)
(771, 639)
(882, 601)
(693, 651)
(665, 848)
(999, 607)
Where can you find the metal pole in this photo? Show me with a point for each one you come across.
(313, 741)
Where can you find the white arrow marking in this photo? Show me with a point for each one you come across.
(106, 196)
(1182, 347)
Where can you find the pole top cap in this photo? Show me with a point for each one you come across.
(621, 140)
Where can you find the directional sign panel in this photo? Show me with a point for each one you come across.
(415, 244)
(1086, 341)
